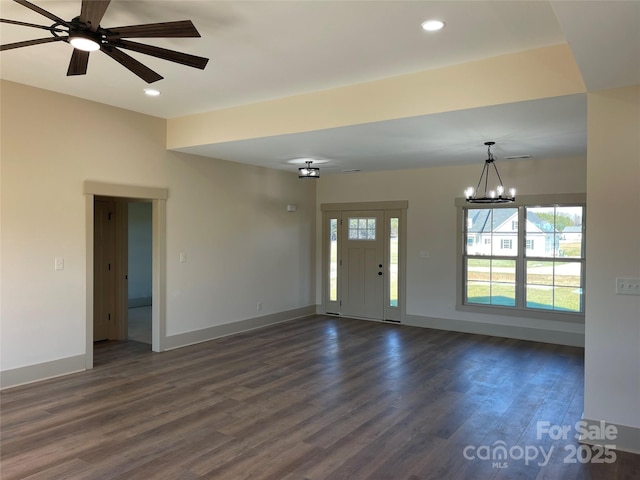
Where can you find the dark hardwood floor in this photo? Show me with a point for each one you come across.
(317, 398)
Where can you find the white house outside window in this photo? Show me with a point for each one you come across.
(538, 266)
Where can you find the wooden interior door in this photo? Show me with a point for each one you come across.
(104, 303)
(362, 284)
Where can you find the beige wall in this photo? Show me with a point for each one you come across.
(431, 225)
(541, 73)
(612, 337)
(230, 219)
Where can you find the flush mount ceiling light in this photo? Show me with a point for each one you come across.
(491, 196)
(151, 92)
(308, 171)
(432, 25)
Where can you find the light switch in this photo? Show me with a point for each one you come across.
(183, 257)
(628, 286)
(59, 263)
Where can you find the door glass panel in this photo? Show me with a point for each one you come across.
(393, 262)
(362, 228)
(333, 260)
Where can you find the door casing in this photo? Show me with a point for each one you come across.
(158, 197)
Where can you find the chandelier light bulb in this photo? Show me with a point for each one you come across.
(500, 190)
(512, 192)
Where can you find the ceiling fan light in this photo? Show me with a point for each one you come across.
(83, 42)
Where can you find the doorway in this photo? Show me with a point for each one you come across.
(364, 259)
(122, 194)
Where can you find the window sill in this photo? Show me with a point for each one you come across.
(523, 313)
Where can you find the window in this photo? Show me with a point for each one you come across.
(547, 275)
(393, 261)
(333, 259)
(362, 228)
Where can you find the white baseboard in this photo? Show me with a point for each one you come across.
(206, 334)
(64, 366)
(572, 339)
(41, 371)
(627, 438)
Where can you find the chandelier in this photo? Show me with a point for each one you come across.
(308, 171)
(489, 196)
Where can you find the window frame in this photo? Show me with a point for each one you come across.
(520, 309)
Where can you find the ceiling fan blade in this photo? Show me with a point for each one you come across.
(132, 64)
(42, 11)
(27, 43)
(25, 24)
(183, 28)
(78, 63)
(171, 55)
(92, 12)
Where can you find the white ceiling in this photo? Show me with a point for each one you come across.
(262, 50)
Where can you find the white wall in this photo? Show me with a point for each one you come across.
(431, 226)
(230, 219)
(612, 337)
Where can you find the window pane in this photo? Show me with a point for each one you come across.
(569, 223)
(478, 239)
(540, 296)
(541, 232)
(504, 232)
(539, 273)
(554, 285)
(362, 228)
(567, 299)
(333, 260)
(479, 292)
(503, 294)
(503, 271)
(567, 274)
(393, 262)
(491, 281)
(478, 269)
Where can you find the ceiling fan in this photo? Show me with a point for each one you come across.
(86, 34)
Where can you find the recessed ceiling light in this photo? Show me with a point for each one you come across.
(432, 25)
(151, 92)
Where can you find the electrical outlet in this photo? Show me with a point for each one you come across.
(259, 306)
(628, 286)
(59, 263)
(183, 257)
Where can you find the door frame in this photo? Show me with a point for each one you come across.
(399, 209)
(158, 198)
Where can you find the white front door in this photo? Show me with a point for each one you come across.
(362, 280)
